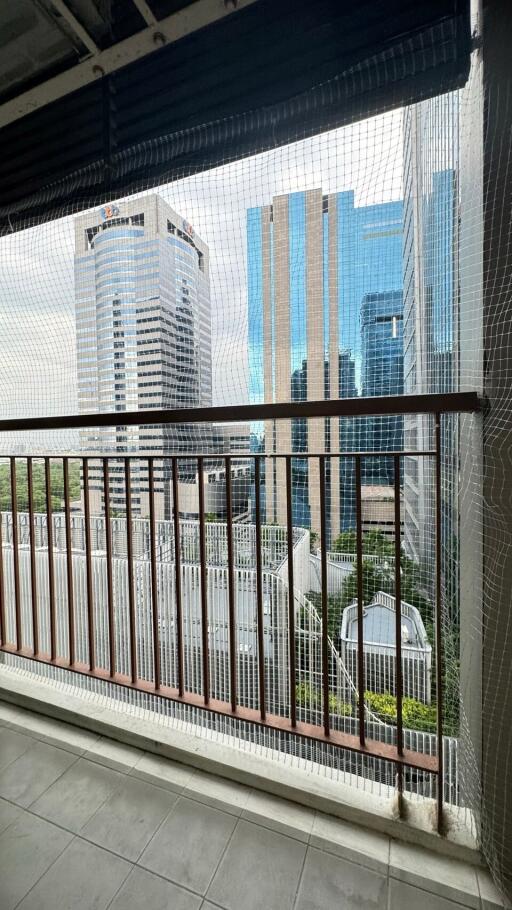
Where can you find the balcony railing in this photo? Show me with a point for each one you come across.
(216, 615)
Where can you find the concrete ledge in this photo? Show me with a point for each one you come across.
(103, 716)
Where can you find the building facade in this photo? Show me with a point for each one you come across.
(382, 374)
(431, 303)
(312, 261)
(143, 327)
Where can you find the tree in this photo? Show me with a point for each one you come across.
(38, 485)
(375, 578)
(313, 541)
(375, 543)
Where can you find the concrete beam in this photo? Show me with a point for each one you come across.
(174, 27)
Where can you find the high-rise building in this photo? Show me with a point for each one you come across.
(382, 374)
(312, 260)
(431, 298)
(143, 327)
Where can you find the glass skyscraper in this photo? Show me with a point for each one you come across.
(431, 300)
(143, 328)
(312, 261)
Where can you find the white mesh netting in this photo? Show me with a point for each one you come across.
(335, 266)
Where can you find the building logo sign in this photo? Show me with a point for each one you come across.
(109, 211)
(187, 228)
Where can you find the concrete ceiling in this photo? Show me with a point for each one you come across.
(49, 48)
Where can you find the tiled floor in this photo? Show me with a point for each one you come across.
(87, 824)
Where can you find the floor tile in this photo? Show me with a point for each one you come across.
(163, 772)
(12, 745)
(218, 792)
(447, 877)
(407, 897)
(114, 755)
(33, 772)
(9, 713)
(73, 799)
(58, 733)
(351, 842)
(144, 891)
(491, 897)
(260, 869)
(27, 849)
(127, 821)
(280, 815)
(85, 877)
(330, 882)
(8, 814)
(189, 845)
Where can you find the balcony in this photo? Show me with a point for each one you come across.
(231, 738)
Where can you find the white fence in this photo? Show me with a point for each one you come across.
(273, 537)
(276, 649)
(339, 567)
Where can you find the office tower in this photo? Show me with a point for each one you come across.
(312, 261)
(382, 374)
(431, 318)
(143, 336)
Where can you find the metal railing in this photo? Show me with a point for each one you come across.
(183, 666)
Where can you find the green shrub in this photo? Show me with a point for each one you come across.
(308, 696)
(416, 715)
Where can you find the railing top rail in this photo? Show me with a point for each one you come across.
(385, 406)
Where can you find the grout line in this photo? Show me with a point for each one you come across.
(44, 873)
(78, 759)
(217, 867)
(301, 873)
(8, 765)
(38, 742)
(442, 897)
(157, 829)
(56, 742)
(123, 883)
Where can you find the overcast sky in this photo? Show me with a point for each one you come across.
(37, 318)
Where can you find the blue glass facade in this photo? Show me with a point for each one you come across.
(367, 248)
(369, 263)
(382, 374)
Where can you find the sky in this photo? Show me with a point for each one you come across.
(37, 310)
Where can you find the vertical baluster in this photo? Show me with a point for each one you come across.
(129, 555)
(154, 580)
(231, 586)
(438, 626)
(291, 595)
(51, 570)
(69, 563)
(325, 616)
(204, 582)
(110, 583)
(259, 587)
(33, 567)
(360, 603)
(177, 567)
(398, 633)
(88, 566)
(3, 627)
(16, 556)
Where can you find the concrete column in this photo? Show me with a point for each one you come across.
(471, 465)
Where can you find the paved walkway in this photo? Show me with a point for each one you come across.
(84, 826)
